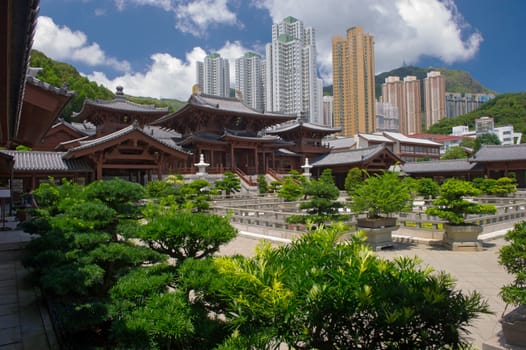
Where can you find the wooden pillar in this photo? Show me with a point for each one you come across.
(162, 158)
(99, 167)
(264, 162)
(232, 161)
(256, 160)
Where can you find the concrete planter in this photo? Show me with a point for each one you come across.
(462, 237)
(379, 231)
(514, 326)
(376, 223)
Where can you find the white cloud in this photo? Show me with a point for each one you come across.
(197, 16)
(167, 77)
(403, 30)
(164, 4)
(191, 16)
(61, 43)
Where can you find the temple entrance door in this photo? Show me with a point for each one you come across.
(244, 159)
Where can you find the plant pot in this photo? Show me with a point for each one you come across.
(514, 326)
(376, 223)
(462, 237)
(378, 231)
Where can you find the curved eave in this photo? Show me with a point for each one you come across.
(305, 126)
(42, 105)
(267, 119)
(89, 106)
(17, 26)
(117, 137)
(231, 137)
(358, 156)
(196, 139)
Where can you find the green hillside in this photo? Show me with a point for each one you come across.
(506, 109)
(56, 73)
(172, 104)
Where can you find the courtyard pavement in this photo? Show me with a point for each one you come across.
(24, 321)
(478, 271)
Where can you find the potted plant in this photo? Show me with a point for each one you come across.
(380, 196)
(513, 258)
(452, 206)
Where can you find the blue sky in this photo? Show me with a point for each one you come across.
(150, 46)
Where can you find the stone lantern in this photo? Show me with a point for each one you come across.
(201, 166)
(306, 169)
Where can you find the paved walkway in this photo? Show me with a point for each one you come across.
(478, 271)
(24, 321)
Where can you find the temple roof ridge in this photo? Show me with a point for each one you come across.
(61, 91)
(122, 132)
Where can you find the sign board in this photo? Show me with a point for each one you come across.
(5, 193)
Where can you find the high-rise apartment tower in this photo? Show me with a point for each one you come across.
(213, 76)
(291, 83)
(405, 95)
(353, 82)
(434, 97)
(249, 80)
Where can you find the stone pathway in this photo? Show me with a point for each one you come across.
(24, 321)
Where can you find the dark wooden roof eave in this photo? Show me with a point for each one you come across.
(31, 129)
(18, 20)
(82, 151)
(89, 107)
(169, 119)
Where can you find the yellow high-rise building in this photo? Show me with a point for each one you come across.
(353, 82)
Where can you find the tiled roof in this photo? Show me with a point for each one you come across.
(85, 128)
(495, 153)
(158, 132)
(341, 142)
(438, 166)
(98, 141)
(60, 91)
(436, 137)
(250, 137)
(406, 139)
(121, 104)
(375, 137)
(46, 161)
(226, 103)
(348, 157)
(222, 106)
(297, 124)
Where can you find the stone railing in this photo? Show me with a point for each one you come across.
(268, 214)
(509, 210)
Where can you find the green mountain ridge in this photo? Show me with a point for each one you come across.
(506, 109)
(56, 73)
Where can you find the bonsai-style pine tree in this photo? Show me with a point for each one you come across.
(380, 195)
(453, 207)
(322, 194)
(230, 183)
